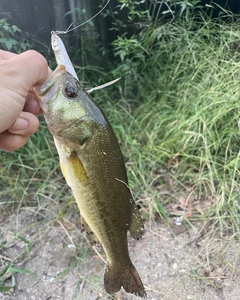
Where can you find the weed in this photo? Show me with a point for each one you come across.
(9, 273)
(12, 38)
(178, 115)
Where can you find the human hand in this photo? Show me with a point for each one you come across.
(18, 101)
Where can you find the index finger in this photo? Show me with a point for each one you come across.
(28, 69)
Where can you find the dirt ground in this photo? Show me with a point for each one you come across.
(172, 266)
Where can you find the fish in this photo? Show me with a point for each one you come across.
(93, 166)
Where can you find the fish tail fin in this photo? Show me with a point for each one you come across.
(128, 278)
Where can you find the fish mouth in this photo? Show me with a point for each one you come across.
(54, 74)
(45, 87)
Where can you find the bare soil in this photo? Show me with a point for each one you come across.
(181, 265)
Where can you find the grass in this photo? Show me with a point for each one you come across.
(184, 121)
(176, 116)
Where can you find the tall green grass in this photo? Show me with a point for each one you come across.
(30, 173)
(177, 116)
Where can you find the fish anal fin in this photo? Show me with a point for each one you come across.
(88, 233)
(128, 278)
(136, 226)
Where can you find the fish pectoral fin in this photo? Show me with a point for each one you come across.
(136, 226)
(72, 167)
(88, 233)
(128, 278)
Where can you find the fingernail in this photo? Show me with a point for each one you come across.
(20, 124)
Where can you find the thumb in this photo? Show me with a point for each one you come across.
(26, 124)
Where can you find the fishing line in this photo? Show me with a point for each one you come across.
(69, 30)
(59, 48)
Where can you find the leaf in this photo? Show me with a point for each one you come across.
(13, 281)
(29, 248)
(22, 239)
(19, 270)
(9, 43)
(5, 288)
(169, 11)
(29, 245)
(122, 54)
(5, 270)
(15, 29)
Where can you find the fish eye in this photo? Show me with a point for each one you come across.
(71, 91)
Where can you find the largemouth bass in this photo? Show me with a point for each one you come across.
(92, 164)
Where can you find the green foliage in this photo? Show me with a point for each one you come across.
(28, 172)
(178, 113)
(140, 14)
(11, 37)
(9, 273)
